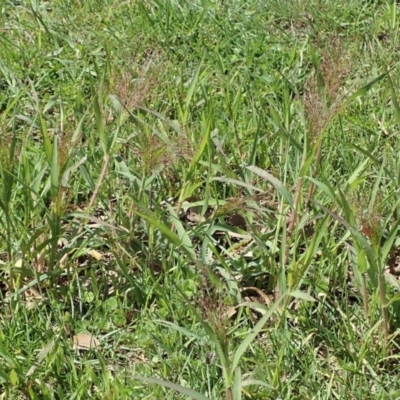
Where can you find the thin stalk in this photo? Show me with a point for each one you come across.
(382, 298)
(365, 295)
(100, 180)
(293, 215)
(316, 165)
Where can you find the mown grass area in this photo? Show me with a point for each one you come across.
(199, 199)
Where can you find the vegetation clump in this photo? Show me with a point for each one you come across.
(199, 200)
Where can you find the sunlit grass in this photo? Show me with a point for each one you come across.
(199, 200)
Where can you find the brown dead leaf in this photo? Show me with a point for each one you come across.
(63, 261)
(230, 312)
(263, 297)
(394, 262)
(32, 297)
(236, 220)
(194, 217)
(95, 254)
(85, 341)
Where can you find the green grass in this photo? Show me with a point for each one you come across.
(210, 190)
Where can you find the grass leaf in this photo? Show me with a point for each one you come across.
(279, 186)
(246, 342)
(178, 388)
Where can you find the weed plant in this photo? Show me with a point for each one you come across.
(199, 199)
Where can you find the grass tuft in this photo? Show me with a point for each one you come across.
(199, 200)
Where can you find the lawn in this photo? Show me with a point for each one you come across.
(199, 199)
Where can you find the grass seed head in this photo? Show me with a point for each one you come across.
(324, 91)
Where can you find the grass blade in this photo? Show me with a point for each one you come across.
(187, 392)
(171, 236)
(279, 186)
(363, 91)
(54, 170)
(239, 183)
(254, 332)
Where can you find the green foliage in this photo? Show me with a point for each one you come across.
(209, 189)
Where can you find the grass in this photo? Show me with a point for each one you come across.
(199, 200)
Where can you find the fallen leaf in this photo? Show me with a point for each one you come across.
(95, 254)
(264, 296)
(230, 312)
(236, 220)
(85, 341)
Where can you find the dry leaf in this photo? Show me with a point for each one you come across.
(394, 262)
(40, 262)
(85, 341)
(63, 261)
(192, 216)
(32, 297)
(95, 254)
(236, 220)
(267, 298)
(62, 242)
(230, 312)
